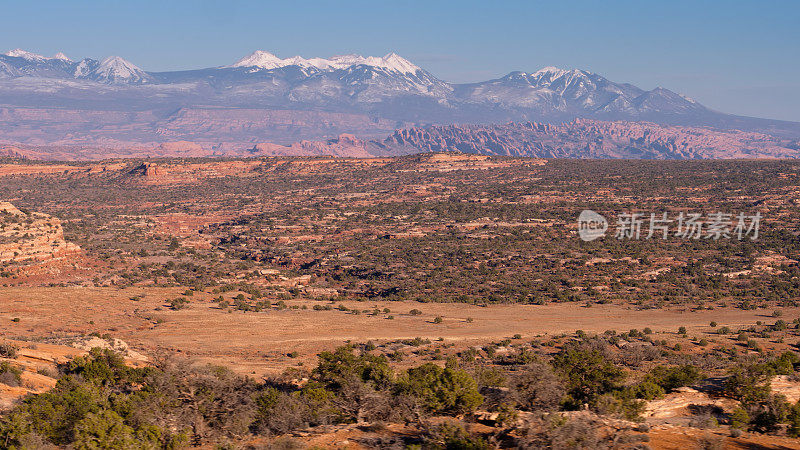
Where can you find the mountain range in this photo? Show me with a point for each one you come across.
(264, 98)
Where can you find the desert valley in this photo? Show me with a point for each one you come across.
(470, 264)
(250, 225)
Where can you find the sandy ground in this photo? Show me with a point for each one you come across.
(684, 438)
(258, 343)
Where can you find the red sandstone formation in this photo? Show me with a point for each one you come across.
(30, 237)
(580, 138)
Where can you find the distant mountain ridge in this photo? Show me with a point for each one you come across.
(265, 60)
(580, 138)
(45, 100)
(584, 138)
(113, 69)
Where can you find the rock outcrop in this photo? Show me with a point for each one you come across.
(30, 237)
(147, 170)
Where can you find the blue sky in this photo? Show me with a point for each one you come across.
(739, 57)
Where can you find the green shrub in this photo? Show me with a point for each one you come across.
(766, 415)
(794, 420)
(587, 371)
(104, 367)
(647, 390)
(785, 363)
(105, 429)
(452, 436)
(55, 413)
(334, 369)
(620, 406)
(671, 378)
(489, 376)
(749, 383)
(443, 390)
(178, 303)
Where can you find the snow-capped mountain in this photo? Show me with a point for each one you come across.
(20, 63)
(28, 56)
(111, 70)
(575, 92)
(344, 94)
(353, 78)
(265, 60)
(390, 83)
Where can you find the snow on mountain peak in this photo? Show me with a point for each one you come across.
(20, 53)
(260, 58)
(267, 60)
(28, 56)
(62, 57)
(84, 67)
(544, 76)
(115, 68)
(550, 69)
(396, 62)
(112, 69)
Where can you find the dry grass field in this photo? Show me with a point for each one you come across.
(258, 343)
